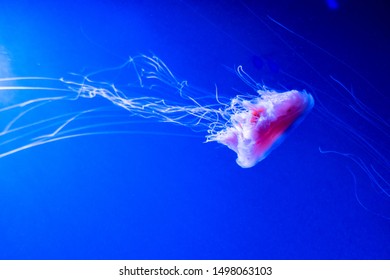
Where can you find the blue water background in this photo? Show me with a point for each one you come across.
(161, 192)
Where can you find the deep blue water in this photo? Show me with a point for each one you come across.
(159, 192)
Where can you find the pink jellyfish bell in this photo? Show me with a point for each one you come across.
(257, 126)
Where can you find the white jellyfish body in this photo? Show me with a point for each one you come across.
(250, 125)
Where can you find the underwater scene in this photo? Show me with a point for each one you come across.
(185, 129)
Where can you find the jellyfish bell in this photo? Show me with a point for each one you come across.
(259, 125)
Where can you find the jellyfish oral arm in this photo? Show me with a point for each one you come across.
(258, 125)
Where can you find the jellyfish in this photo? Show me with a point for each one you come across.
(250, 124)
